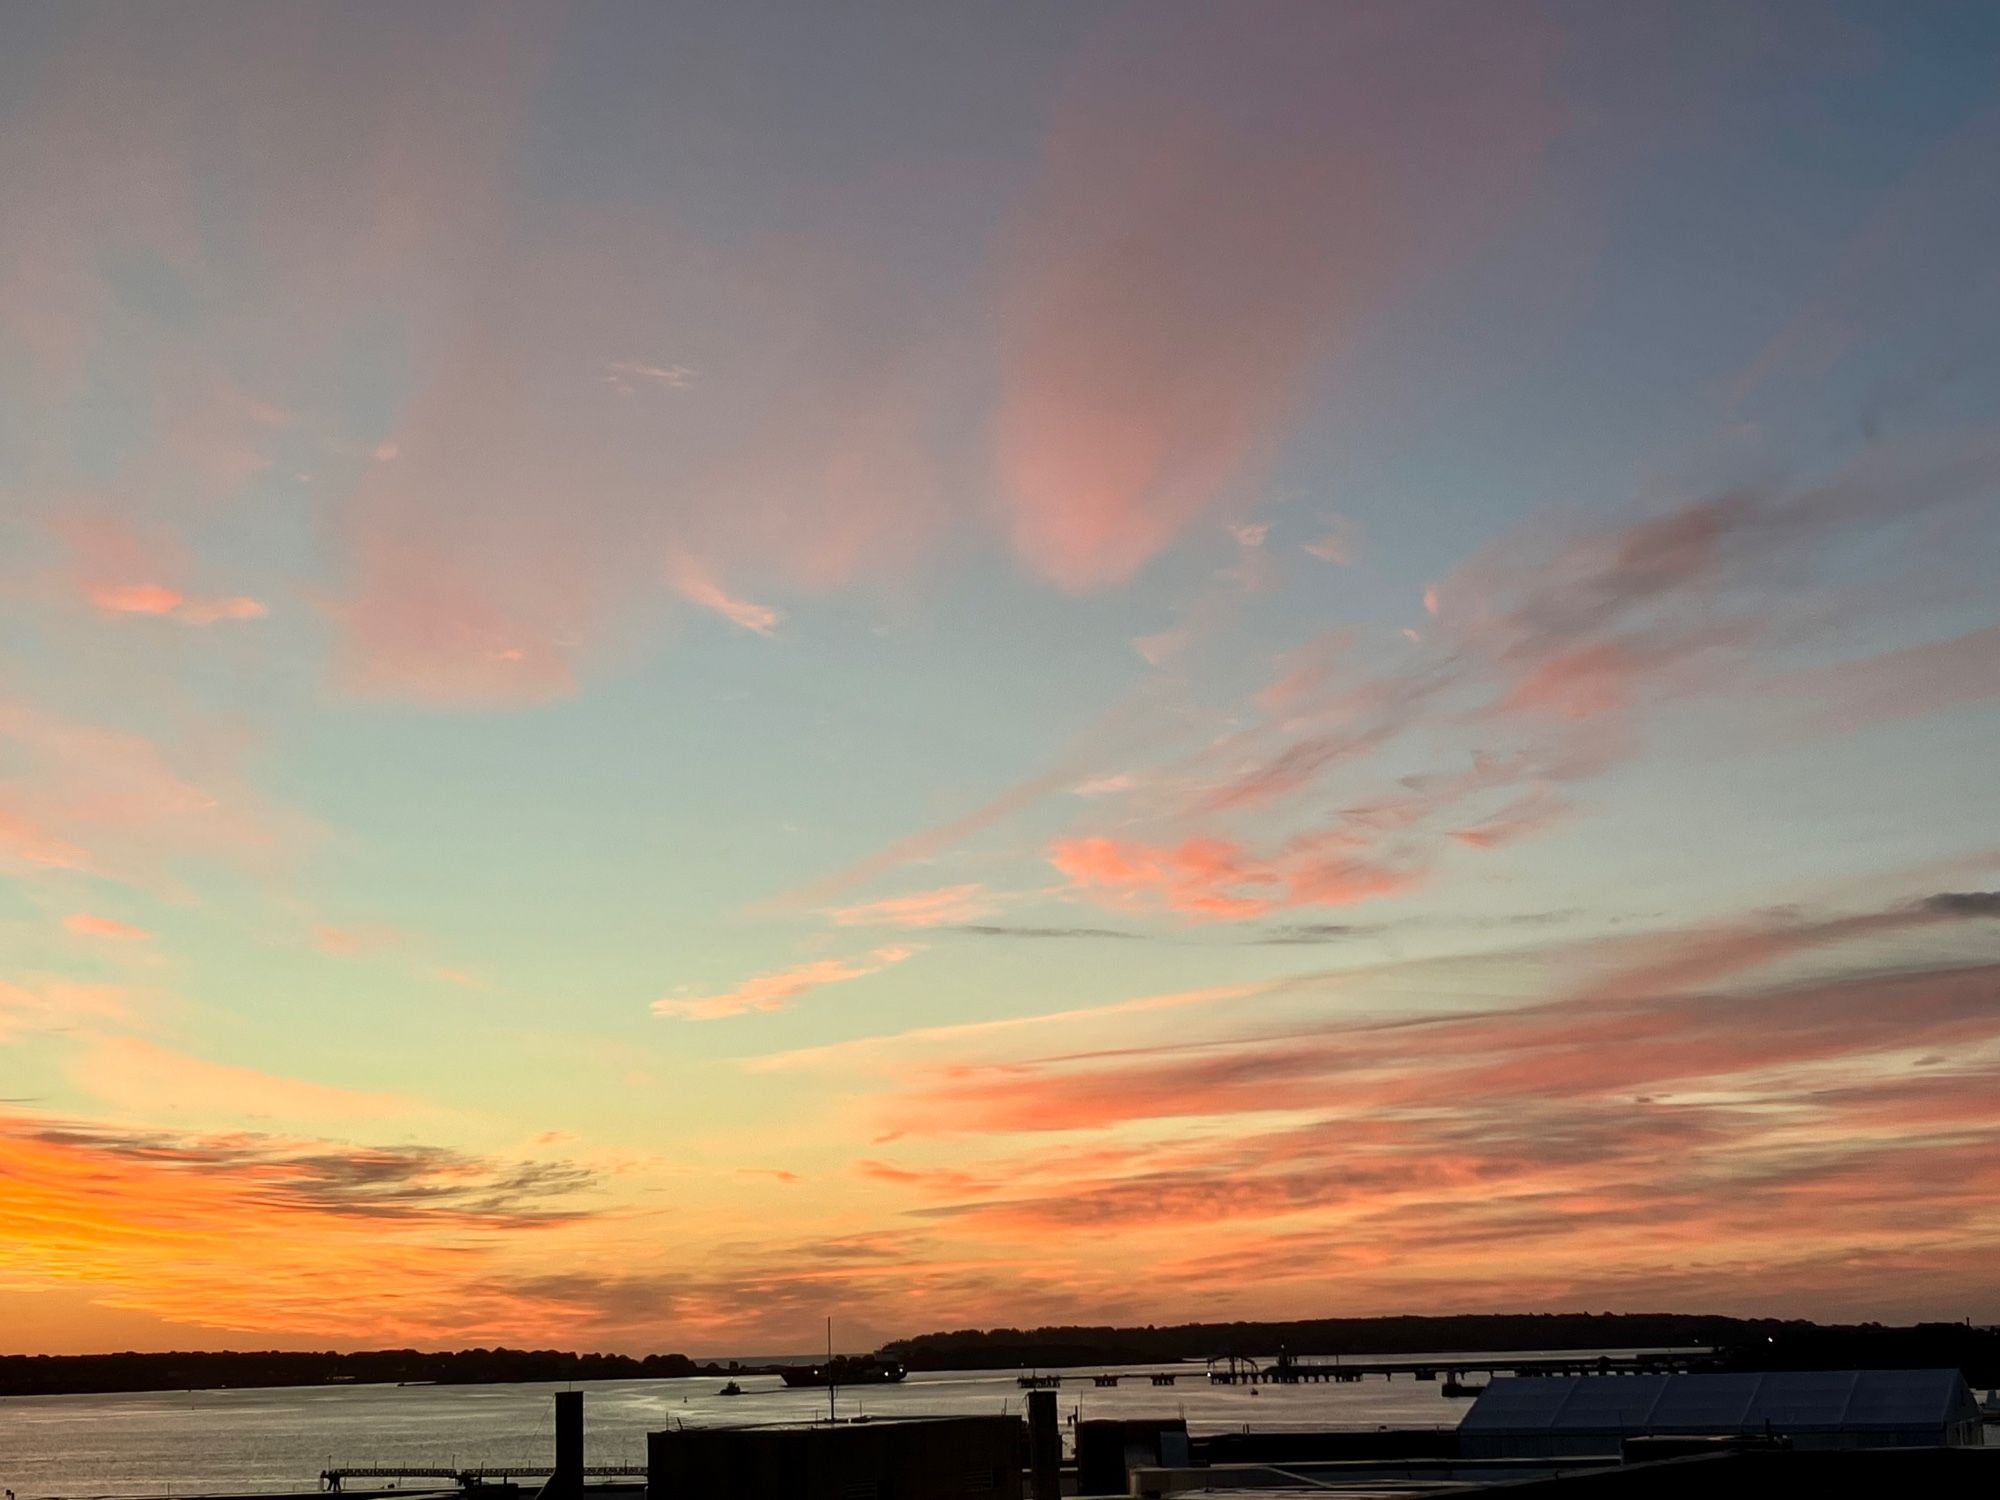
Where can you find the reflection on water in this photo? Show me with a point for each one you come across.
(233, 1441)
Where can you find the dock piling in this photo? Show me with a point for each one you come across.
(1044, 1446)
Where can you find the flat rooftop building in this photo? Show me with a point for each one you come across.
(909, 1458)
(1583, 1415)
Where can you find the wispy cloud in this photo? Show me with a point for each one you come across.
(24, 841)
(159, 600)
(1043, 933)
(1180, 271)
(695, 583)
(777, 989)
(1522, 818)
(1339, 543)
(935, 908)
(877, 1048)
(628, 376)
(243, 1231)
(124, 806)
(421, 1183)
(1929, 678)
(91, 925)
(1965, 903)
(1214, 878)
(1693, 1010)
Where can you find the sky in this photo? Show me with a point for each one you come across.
(669, 671)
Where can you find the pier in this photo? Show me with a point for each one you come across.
(466, 1479)
(1286, 1370)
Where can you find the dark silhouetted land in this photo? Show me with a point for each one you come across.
(1745, 1344)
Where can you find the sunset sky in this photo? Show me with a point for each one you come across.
(671, 670)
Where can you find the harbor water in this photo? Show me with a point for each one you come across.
(243, 1441)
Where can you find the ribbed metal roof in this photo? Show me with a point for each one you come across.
(1792, 1401)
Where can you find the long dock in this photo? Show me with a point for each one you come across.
(1313, 1372)
(334, 1479)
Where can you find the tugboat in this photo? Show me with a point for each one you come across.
(732, 1389)
(844, 1369)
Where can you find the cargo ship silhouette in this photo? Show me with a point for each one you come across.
(845, 1369)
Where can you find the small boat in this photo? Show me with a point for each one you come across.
(732, 1389)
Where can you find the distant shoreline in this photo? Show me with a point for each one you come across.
(1746, 1344)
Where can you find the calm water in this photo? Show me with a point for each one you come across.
(236, 1441)
(232, 1441)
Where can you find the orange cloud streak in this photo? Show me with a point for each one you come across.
(1212, 878)
(89, 924)
(777, 990)
(247, 1233)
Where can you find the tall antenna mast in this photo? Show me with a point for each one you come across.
(829, 1371)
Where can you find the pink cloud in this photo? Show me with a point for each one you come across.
(136, 599)
(951, 903)
(157, 599)
(1113, 735)
(1305, 673)
(121, 570)
(495, 537)
(1212, 878)
(1188, 260)
(423, 630)
(1933, 677)
(120, 805)
(1520, 819)
(89, 924)
(693, 581)
(779, 988)
(808, 465)
(1555, 648)
(24, 841)
(1606, 1045)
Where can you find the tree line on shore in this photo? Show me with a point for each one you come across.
(74, 1374)
(999, 1348)
(1742, 1343)
(1746, 1344)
